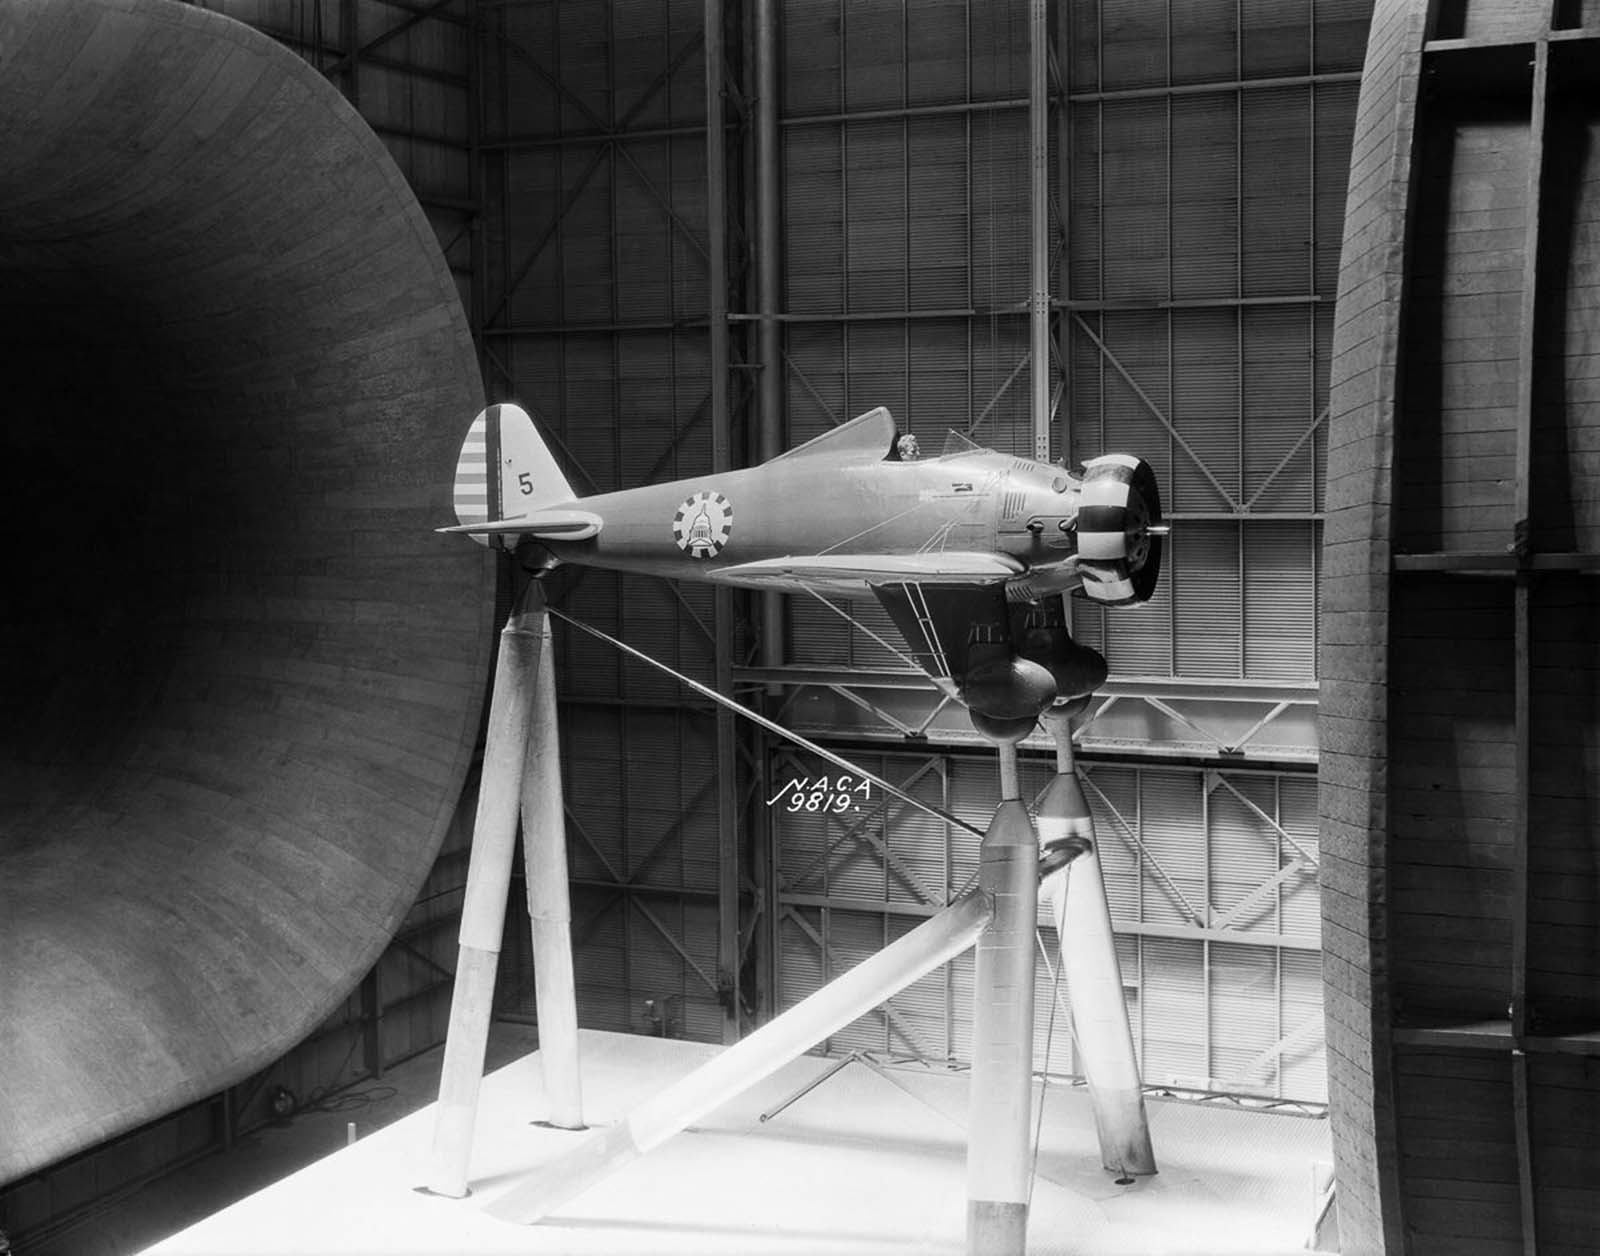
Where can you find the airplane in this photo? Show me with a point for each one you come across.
(971, 551)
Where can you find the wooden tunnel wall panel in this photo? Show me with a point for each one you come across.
(1457, 884)
(1458, 1155)
(242, 676)
(1451, 798)
(1563, 866)
(1235, 1011)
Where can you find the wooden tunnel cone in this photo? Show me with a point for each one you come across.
(999, 1167)
(1077, 897)
(521, 770)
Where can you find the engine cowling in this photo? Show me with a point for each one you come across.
(1119, 530)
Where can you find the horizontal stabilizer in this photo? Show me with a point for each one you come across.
(555, 525)
(857, 570)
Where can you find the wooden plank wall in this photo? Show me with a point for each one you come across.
(1460, 876)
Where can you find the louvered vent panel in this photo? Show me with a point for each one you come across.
(802, 837)
(1280, 600)
(999, 41)
(690, 294)
(1133, 44)
(800, 966)
(937, 191)
(922, 1011)
(581, 48)
(1084, 274)
(940, 380)
(875, 363)
(588, 407)
(1342, 27)
(937, 52)
(644, 360)
(1279, 408)
(1203, 43)
(1244, 1017)
(1083, 45)
(1174, 1005)
(702, 1012)
(852, 937)
(599, 960)
(594, 669)
(1112, 793)
(1137, 345)
(813, 217)
(1205, 408)
(1277, 191)
(1088, 623)
(1276, 37)
(1244, 852)
(1205, 199)
(588, 275)
(1303, 1063)
(875, 215)
(999, 208)
(1134, 189)
(874, 53)
(810, 38)
(1205, 580)
(641, 239)
(1172, 829)
(814, 388)
(1302, 909)
(998, 346)
(919, 842)
(1138, 639)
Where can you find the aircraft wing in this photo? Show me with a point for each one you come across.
(940, 622)
(853, 572)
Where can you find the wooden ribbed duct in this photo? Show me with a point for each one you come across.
(1460, 716)
(240, 678)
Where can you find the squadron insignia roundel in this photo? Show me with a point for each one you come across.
(702, 525)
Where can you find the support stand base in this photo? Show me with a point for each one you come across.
(996, 1228)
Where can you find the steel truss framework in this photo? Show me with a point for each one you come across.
(728, 241)
(629, 148)
(1235, 938)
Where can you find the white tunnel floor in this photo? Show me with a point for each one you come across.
(863, 1164)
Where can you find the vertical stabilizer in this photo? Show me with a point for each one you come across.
(505, 470)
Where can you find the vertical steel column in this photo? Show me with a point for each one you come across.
(768, 284)
(998, 1163)
(483, 909)
(722, 460)
(544, 845)
(1077, 895)
(1063, 86)
(478, 262)
(769, 356)
(1039, 221)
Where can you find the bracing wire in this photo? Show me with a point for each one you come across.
(1044, 1073)
(856, 623)
(771, 726)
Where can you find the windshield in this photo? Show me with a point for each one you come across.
(956, 443)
